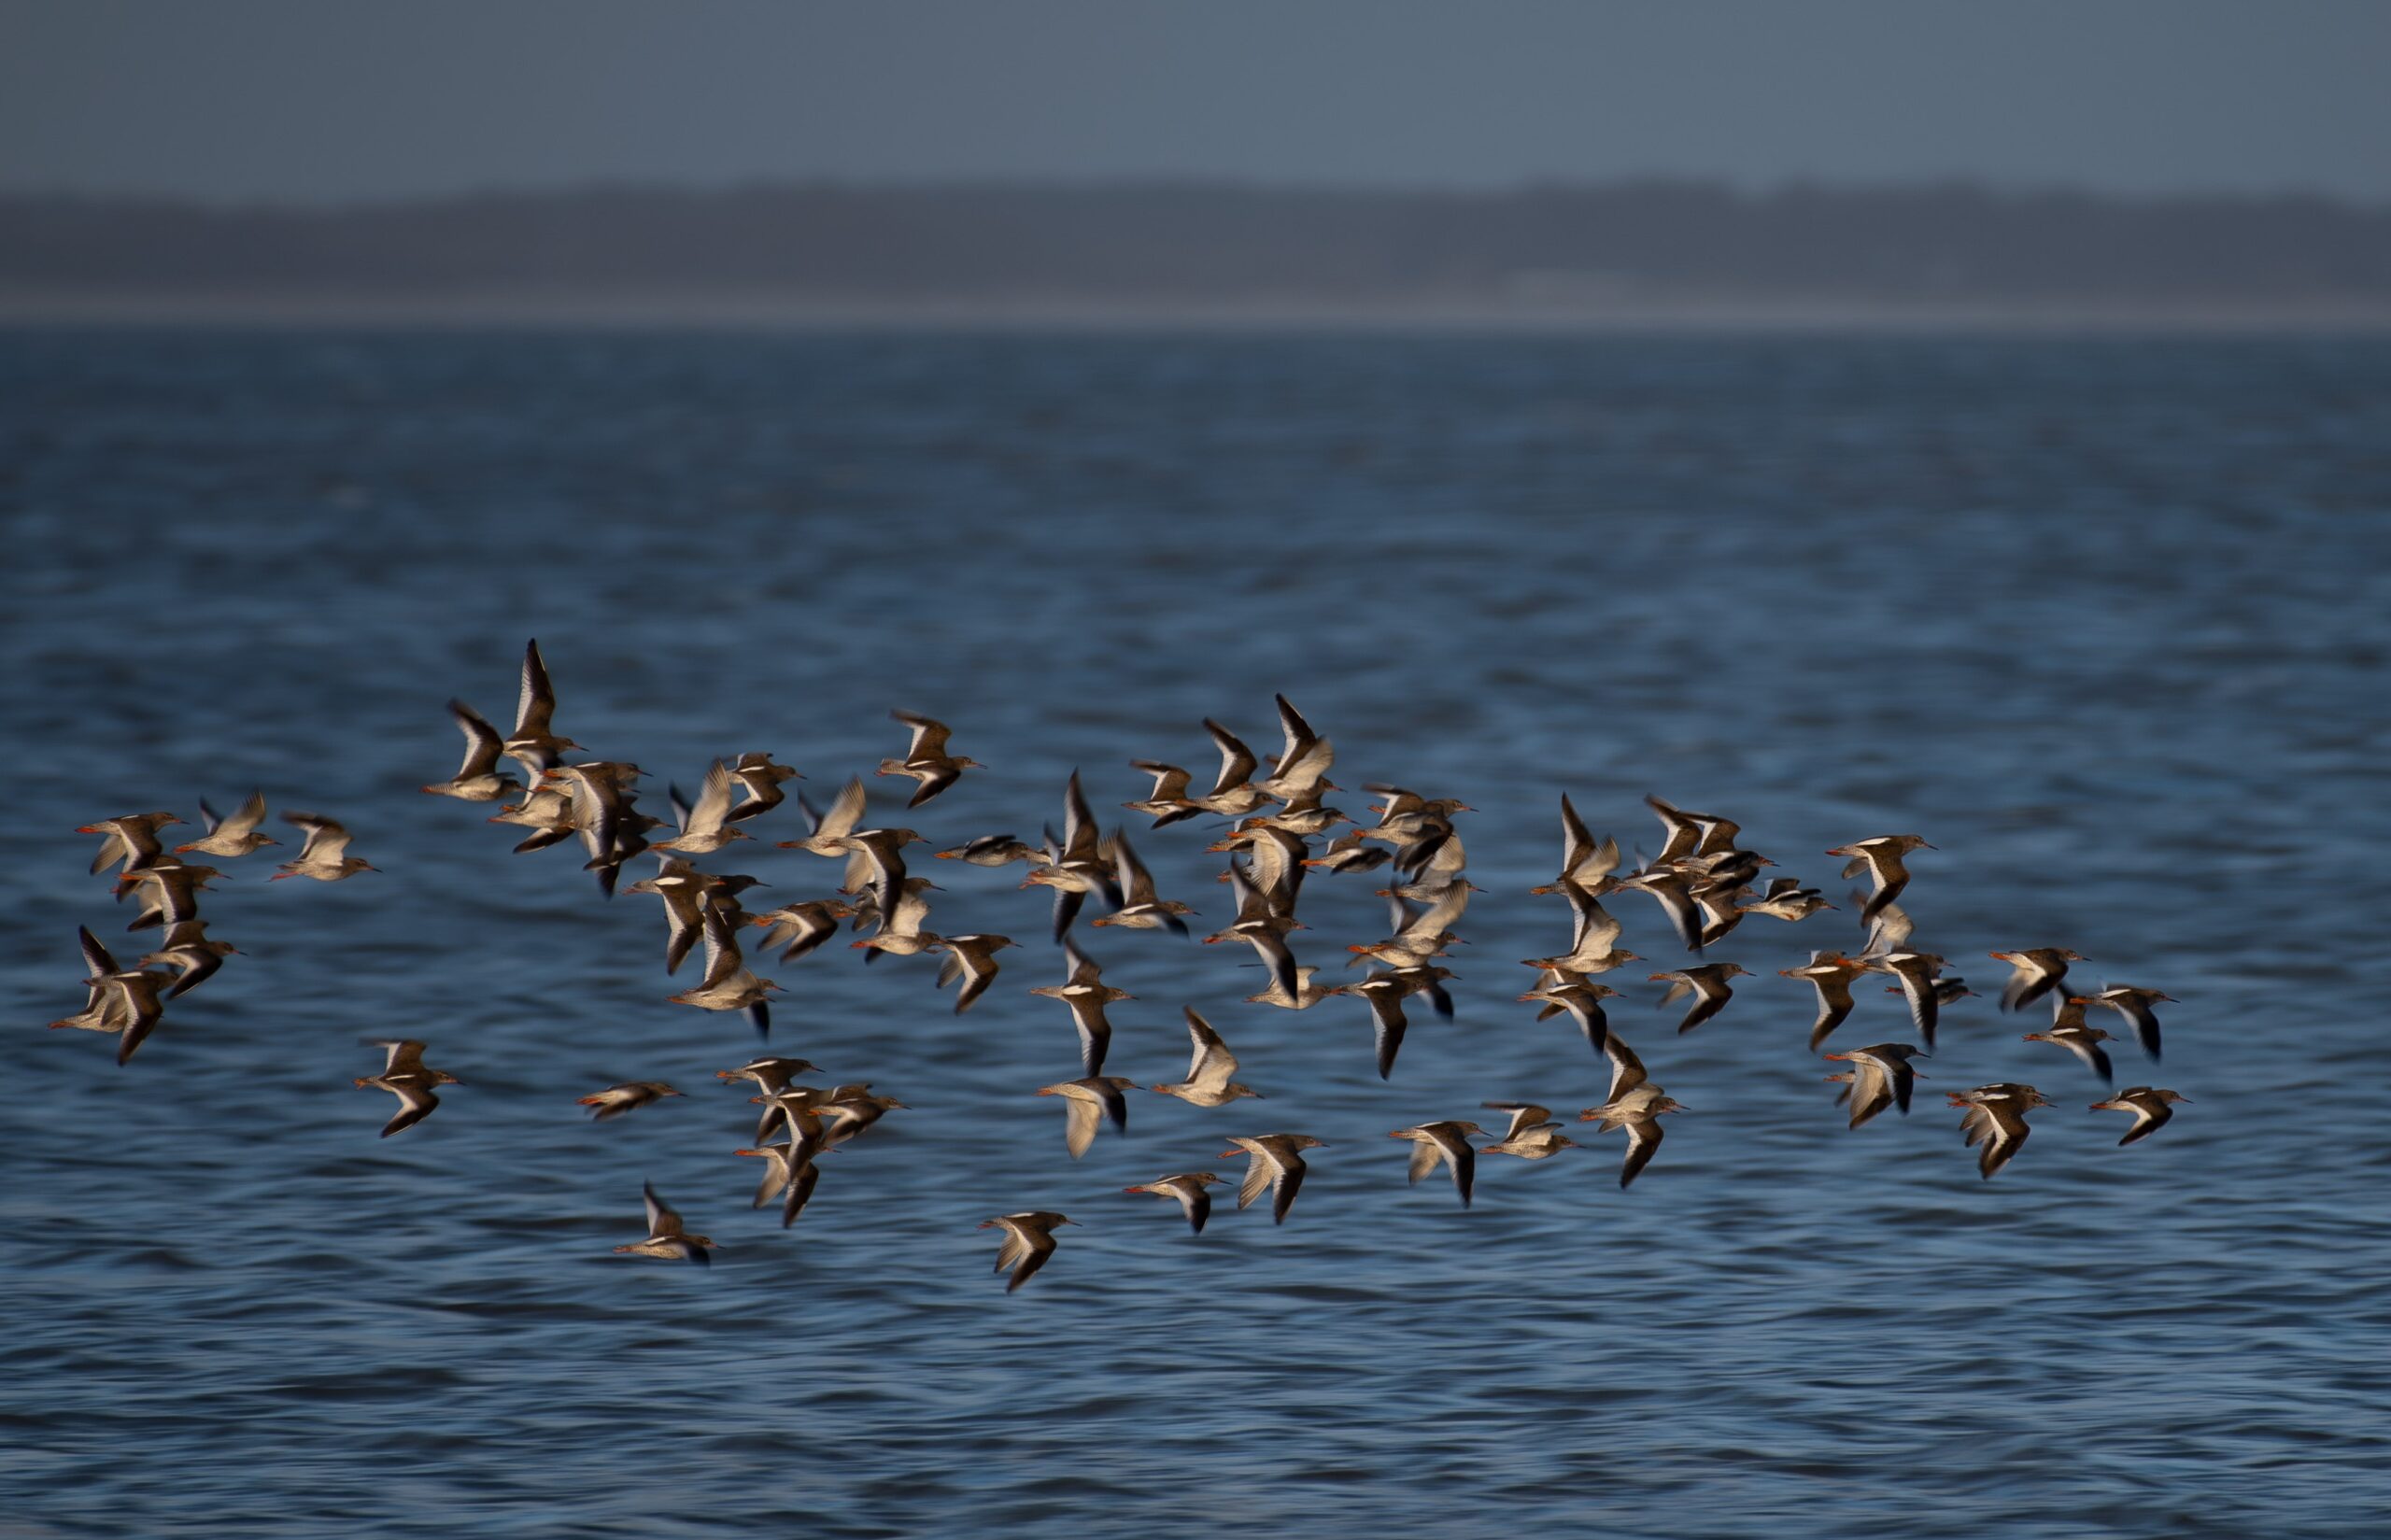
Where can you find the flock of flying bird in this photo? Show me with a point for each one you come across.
(1702, 878)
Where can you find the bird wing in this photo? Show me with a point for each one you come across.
(809, 927)
(911, 910)
(416, 1101)
(1170, 781)
(1300, 778)
(2008, 1132)
(662, 1223)
(134, 1000)
(2146, 1117)
(935, 779)
(1874, 857)
(778, 1167)
(1137, 882)
(327, 840)
(535, 706)
(800, 1193)
(1684, 832)
(862, 871)
(1387, 1026)
(1924, 1007)
(113, 847)
(1712, 999)
(1904, 1081)
(1258, 1171)
(1626, 1070)
(976, 971)
(1872, 1091)
(844, 813)
(2139, 1014)
(1460, 1159)
(1295, 735)
(1835, 1004)
(194, 962)
(714, 803)
(1577, 842)
(1270, 863)
(594, 813)
(245, 818)
(1209, 1063)
(1889, 930)
(1718, 834)
(1444, 860)
(1439, 915)
(1642, 1142)
(95, 956)
(684, 923)
(1524, 1116)
(482, 743)
(1018, 1243)
(1095, 1034)
(1252, 903)
(1273, 950)
(403, 1056)
(929, 737)
(1080, 834)
(1677, 899)
(1084, 1115)
(2025, 975)
(1037, 1246)
(1237, 761)
(1587, 915)
(724, 961)
(1286, 1177)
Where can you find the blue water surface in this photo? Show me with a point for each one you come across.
(2106, 620)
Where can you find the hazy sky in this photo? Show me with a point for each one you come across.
(347, 99)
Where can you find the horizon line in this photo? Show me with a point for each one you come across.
(1746, 190)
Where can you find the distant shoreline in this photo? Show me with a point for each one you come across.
(718, 310)
(1629, 256)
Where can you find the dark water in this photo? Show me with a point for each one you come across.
(2106, 621)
